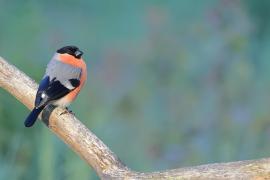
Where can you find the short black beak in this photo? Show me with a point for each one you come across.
(78, 54)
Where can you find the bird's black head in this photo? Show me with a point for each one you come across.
(72, 50)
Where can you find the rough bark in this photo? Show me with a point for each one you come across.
(105, 163)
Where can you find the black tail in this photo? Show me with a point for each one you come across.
(32, 117)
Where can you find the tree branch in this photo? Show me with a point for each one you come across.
(100, 157)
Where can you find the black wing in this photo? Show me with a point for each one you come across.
(43, 85)
(56, 90)
(53, 90)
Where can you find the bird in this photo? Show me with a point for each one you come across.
(65, 75)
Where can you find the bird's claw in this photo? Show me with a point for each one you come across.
(67, 111)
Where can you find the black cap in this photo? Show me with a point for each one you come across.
(72, 50)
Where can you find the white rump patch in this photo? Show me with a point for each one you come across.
(43, 95)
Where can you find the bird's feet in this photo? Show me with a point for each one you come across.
(67, 111)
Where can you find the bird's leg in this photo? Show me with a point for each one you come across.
(70, 111)
(67, 111)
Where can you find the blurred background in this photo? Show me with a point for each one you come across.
(170, 83)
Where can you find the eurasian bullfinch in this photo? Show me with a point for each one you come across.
(64, 77)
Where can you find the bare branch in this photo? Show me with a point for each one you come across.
(100, 157)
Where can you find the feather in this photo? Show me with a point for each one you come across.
(32, 117)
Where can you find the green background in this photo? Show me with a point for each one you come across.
(170, 83)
